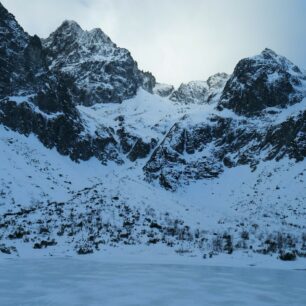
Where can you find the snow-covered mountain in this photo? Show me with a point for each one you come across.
(95, 155)
(259, 117)
(201, 91)
(101, 71)
(262, 81)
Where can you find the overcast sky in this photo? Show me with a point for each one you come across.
(180, 40)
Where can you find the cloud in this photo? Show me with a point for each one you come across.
(180, 40)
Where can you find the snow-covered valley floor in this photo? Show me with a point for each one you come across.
(85, 282)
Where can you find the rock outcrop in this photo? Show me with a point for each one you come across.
(201, 92)
(266, 80)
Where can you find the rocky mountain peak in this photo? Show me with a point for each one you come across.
(70, 32)
(190, 93)
(269, 53)
(268, 56)
(101, 71)
(217, 80)
(69, 26)
(163, 90)
(263, 81)
(12, 35)
(98, 35)
(201, 92)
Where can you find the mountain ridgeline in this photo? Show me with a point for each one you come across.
(44, 83)
(95, 153)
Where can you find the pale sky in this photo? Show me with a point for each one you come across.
(180, 40)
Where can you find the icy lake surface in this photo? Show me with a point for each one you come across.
(79, 282)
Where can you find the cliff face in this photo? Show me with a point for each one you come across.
(42, 83)
(266, 80)
(259, 116)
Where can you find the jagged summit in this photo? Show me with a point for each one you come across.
(70, 31)
(262, 81)
(269, 52)
(101, 71)
(201, 92)
(69, 24)
(163, 90)
(217, 80)
(96, 70)
(8, 25)
(268, 55)
(69, 37)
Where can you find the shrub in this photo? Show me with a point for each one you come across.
(245, 235)
(287, 256)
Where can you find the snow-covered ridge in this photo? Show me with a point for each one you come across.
(79, 46)
(101, 71)
(269, 56)
(146, 115)
(262, 81)
(79, 175)
(200, 92)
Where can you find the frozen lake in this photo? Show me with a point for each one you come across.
(65, 282)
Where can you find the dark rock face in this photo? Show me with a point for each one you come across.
(101, 71)
(266, 80)
(42, 83)
(23, 67)
(62, 131)
(134, 147)
(202, 151)
(35, 58)
(141, 149)
(147, 81)
(13, 41)
(193, 151)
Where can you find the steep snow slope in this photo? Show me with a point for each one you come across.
(203, 145)
(58, 207)
(146, 116)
